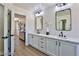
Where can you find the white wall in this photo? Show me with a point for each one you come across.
(49, 17)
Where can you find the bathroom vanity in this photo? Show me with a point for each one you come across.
(54, 45)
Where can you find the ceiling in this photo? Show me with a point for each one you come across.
(30, 6)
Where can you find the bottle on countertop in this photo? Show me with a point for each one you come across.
(47, 32)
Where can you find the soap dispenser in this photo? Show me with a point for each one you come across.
(47, 32)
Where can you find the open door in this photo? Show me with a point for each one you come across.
(1, 30)
(10, 33)
(5, 31)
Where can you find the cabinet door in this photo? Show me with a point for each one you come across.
(35, 41)
(67, 49)
(30, 39)
(52, 47)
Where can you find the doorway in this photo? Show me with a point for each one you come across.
(20, 21)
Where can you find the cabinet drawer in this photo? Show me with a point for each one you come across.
(42, 48)
(42, 39)
(41, 43)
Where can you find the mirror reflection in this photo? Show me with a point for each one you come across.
(39, 22)
(63, 20)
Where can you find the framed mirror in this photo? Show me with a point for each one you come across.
(63, 20)
(39, 22)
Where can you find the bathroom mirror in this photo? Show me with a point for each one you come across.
(39, 22)
(63, 20)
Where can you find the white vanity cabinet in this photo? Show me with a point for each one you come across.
(52, 47)
(38, 42)
(33, 40)
(67, 48)
(60, 48)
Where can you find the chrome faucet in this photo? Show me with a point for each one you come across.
(61, 34)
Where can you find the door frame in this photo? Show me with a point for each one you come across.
(15, 29)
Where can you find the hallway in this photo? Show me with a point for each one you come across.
(23, 50)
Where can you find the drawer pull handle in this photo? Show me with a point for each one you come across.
(32, 36)
(42, 39)
(42, 42)
(56, 42)
(59, 44)
(41, 47)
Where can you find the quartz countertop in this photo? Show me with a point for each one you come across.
(73, 40)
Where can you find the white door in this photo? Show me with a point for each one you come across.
(67, 49)
(11, 29)
(3, 30)
(9, 32)
(52, 46)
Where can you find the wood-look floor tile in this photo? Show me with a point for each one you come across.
(23, 50)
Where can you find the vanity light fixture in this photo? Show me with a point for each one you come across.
(39, 14)
(38, 10)
(61, 4)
